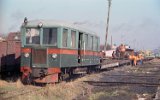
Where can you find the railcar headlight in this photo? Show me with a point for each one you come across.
(40, 25)
(26, 55)
(34, 66)
(54, 56)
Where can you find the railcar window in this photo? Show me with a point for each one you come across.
(65, 37)
(32, 36)
(73, 41)
(86, 41)
(50, 36)
(96, 44)
(91, 42)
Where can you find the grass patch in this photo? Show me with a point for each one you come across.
(8, 88)
(99, 95)
(60, 91)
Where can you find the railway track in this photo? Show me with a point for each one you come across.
(131, 76)
(135, 76)
(143, 80)
(109, 65)
(109, 83)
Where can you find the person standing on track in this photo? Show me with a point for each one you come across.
(133, 59)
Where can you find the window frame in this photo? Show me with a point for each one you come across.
(95, 43)
(92, 47)
(90, 39)
(39, 30)
(56, 37)
(86, 41)
(71, 42)
(67, 45)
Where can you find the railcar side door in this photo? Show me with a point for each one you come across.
(80, 41)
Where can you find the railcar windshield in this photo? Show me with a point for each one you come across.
(32, 36)
(50, 36)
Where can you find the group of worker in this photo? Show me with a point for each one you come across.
(135, 59)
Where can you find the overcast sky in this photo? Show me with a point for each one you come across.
(133, 22)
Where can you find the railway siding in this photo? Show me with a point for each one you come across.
(127, 83)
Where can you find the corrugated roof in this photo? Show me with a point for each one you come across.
(14, 36)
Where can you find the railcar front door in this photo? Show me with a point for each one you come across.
(80, 47)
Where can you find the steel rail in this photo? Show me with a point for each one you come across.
(104, 83)
(147, 76)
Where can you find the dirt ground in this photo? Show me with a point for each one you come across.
(122, 83)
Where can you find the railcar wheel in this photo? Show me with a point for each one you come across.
(70, 72)
(60, 78)
(99, 68)
(26, 79)
(89, 70)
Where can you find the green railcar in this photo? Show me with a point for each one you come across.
(52, 49)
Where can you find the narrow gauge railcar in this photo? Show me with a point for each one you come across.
(50, 50)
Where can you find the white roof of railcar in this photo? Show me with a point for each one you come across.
(52, 23)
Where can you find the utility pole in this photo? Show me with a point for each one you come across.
(109, 5)
(111, 42)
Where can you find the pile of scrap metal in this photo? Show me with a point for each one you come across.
(122, 52)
